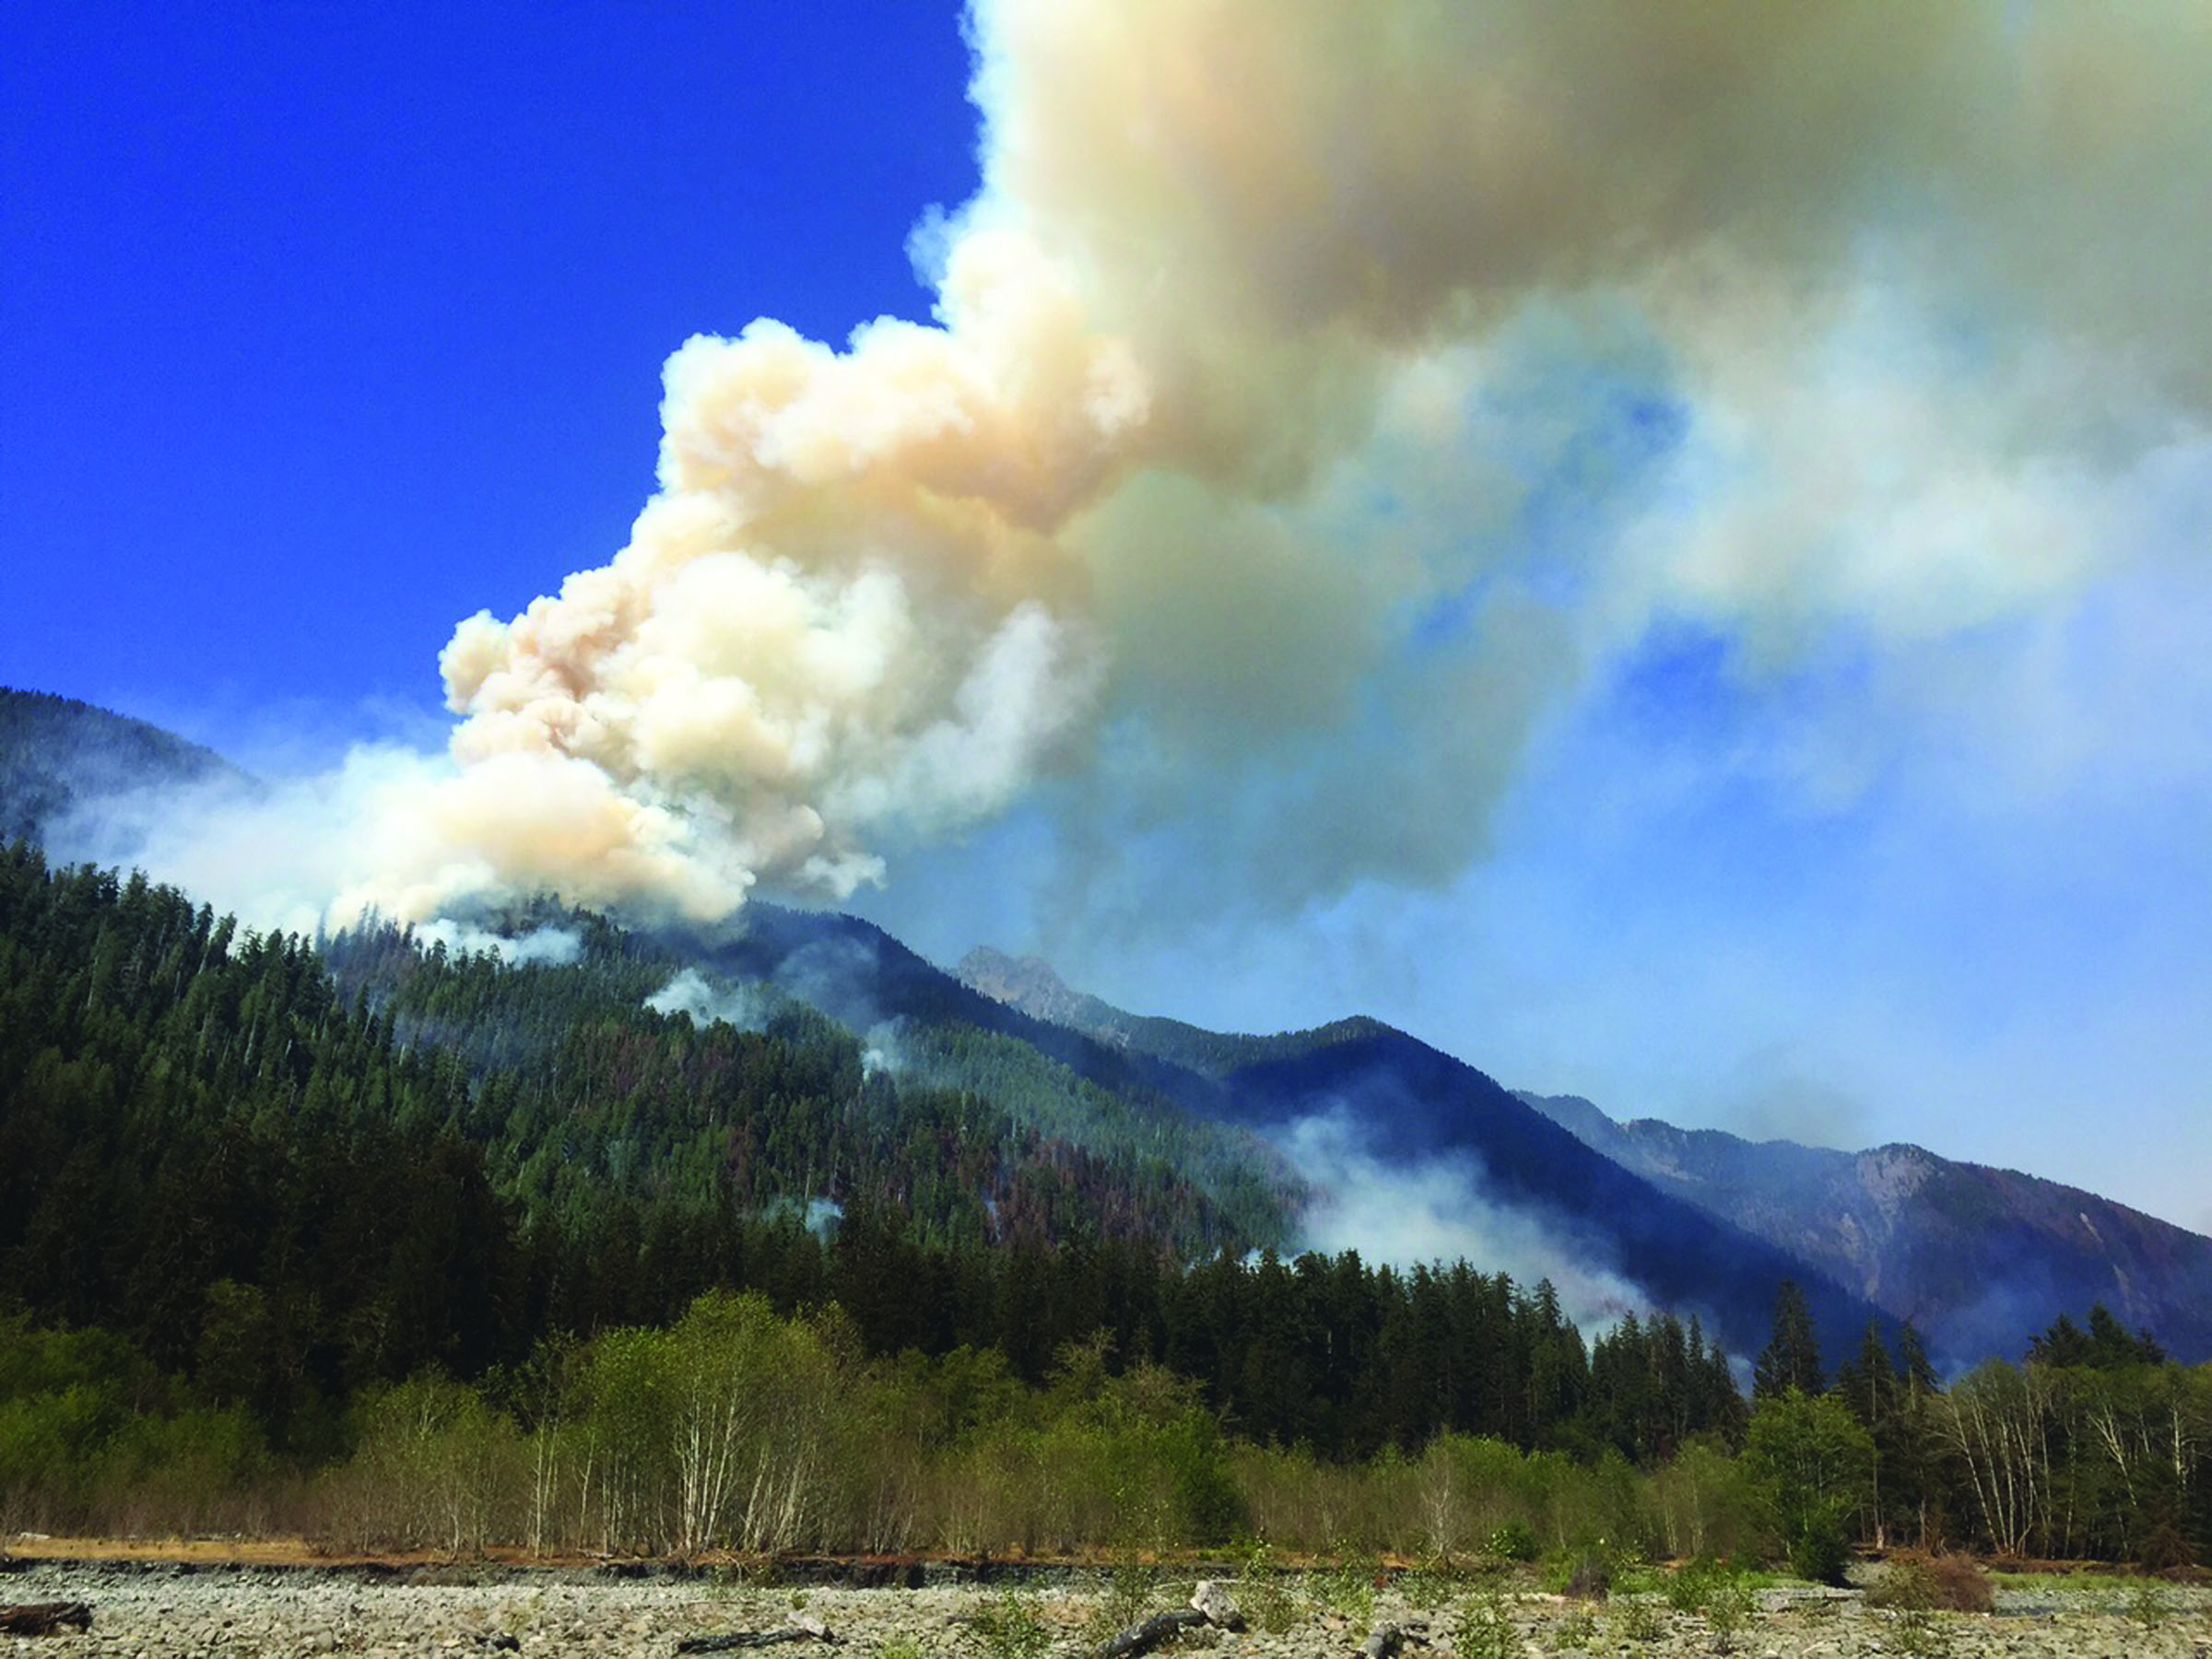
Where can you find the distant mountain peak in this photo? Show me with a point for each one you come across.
(1971, 1255)
(1030, 984)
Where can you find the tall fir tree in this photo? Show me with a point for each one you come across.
(1792, 1357)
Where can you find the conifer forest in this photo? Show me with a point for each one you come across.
(399, 1245)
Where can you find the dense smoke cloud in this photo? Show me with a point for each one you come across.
(1317, 397)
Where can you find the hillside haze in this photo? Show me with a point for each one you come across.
(59, 757)
(1977, 1259)
(1969, 1253)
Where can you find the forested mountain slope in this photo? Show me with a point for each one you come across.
(290, 1185)
(57, 754)
(1408, 1105)
(926, 1019)
(974, 1136)
(211, 1143)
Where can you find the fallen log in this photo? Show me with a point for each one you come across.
(1143, 1638)
(44, 1619)
(730, 1641)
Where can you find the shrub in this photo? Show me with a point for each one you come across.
(1729, 1606)
(1639, 1622)
(1925, 1583)
(1691, 1586)
(1578, 1629)
(1012, 1627)
(1485, 1629)
(1589, 1576)
(2146, 1605)
(1918, 1635)
(1715, 1591)
(1819, 1547)
(1513, 1541)
(1127, 1597)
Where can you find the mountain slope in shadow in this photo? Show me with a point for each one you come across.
(1978, 1258)
(59, 757)
(1410, 1108)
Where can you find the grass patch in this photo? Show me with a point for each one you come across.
(1348, 1589)
(1264, 1594)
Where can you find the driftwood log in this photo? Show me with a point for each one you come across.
(1143, 1638)
(1210, 1603)
(44, 1619)
(732, 1642)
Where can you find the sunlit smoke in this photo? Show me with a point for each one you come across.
(1316, 400)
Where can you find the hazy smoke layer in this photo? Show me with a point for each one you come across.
(1317, 394)
(1441, 1209)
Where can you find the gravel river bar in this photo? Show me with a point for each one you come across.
(184, 1610)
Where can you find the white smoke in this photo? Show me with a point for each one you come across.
(703, 1002)
(541, 948)
(1441, 1210)
(1317, 399)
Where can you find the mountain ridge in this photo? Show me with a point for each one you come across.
(1408, 1105)
(1226, 1111)
(1977, 1258)
(1924, 1237)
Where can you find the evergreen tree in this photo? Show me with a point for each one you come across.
(1868, 1384)
(1792, 1357)
(2105, 1345)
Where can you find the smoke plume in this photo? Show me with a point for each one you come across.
(1318, 396)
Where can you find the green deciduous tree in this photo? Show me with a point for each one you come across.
(1812, 1462)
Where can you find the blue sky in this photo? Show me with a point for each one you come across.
(329, 325)
(1684, 587)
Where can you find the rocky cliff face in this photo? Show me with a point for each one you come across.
(1030, 984)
